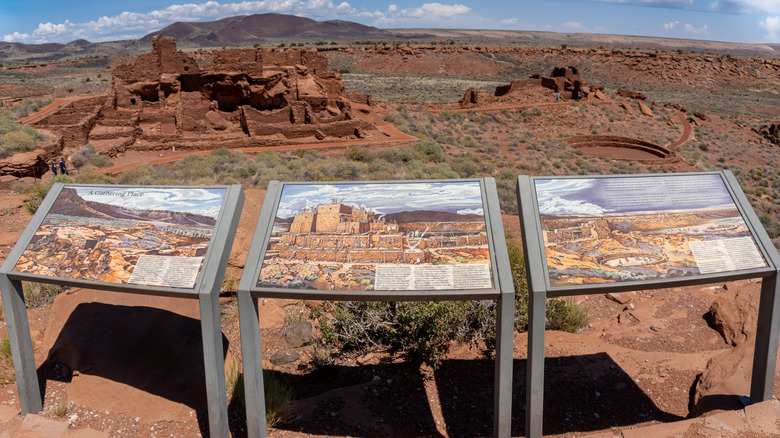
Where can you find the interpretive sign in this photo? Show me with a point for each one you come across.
(127, 235)
(156, 240)
(379, 236)
(620, 229)
(368, 241)
(589, 234)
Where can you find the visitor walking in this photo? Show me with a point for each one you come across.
(54, 168)
(63, 167)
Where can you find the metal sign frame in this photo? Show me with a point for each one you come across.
(539, 288)
(206, 290)
(502, 291)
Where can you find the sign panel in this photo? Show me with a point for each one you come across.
(637, 228)
(147, 236)
(379, 236)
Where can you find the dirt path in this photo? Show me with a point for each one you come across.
(48, 109)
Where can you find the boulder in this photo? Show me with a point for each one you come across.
(629, 109)
(735, 313)
(644, 109)
(298, 334)
(631, 94)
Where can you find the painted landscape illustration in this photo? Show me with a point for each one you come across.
(415, 236)
(99, 234)
(606, 230)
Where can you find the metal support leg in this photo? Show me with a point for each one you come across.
(21, 345)
(767, 334)
(505, 314)
(214, 364)
(251, 351)
(535, 365)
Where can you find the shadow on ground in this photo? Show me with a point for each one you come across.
(153, 350)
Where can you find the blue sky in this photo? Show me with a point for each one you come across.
(464, 197)
(204, 201)
(597, 196)
(747, 21)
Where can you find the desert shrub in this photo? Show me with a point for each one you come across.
(429, 151)
(5, 152)
(19, 141)
(278, 400)
(8, 124)
(566, 315)
(81, 158)
(35, 193)
(357, 153)
(39, 294)
(420, 330)
(100, 161)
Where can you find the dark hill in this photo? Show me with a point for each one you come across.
(249, 29)
(70, 203)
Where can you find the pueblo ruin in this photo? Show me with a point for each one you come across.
(243, 98)
(349, 242)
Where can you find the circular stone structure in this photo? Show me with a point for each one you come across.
(619, 148)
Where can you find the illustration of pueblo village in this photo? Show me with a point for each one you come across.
(144, 236)
(607, 230)
(405, 236)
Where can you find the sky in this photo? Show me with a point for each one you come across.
(745, 21)
(203, 201)
(463, 197)
(597, 196)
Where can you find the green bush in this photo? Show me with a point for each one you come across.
(278, 400)
(429, 151)
(19, 141)
(566, 315)
(5, 348)
(420, 330)
(8, 124)
(100, 161)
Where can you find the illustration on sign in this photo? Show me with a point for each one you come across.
(144, 236)
(404, 236)
(606, 230)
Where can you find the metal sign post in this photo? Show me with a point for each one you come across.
(649, 247)
(75, 240)
(393, 230)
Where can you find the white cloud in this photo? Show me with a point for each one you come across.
(478, 211)
(574, 26)
(558, 206)
(672, 4)
(772, 27)
(704, 30)
(672, 25)
(747, 6)
(509, 21)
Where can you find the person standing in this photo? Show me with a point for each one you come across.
(63, 167)
(53, 168)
